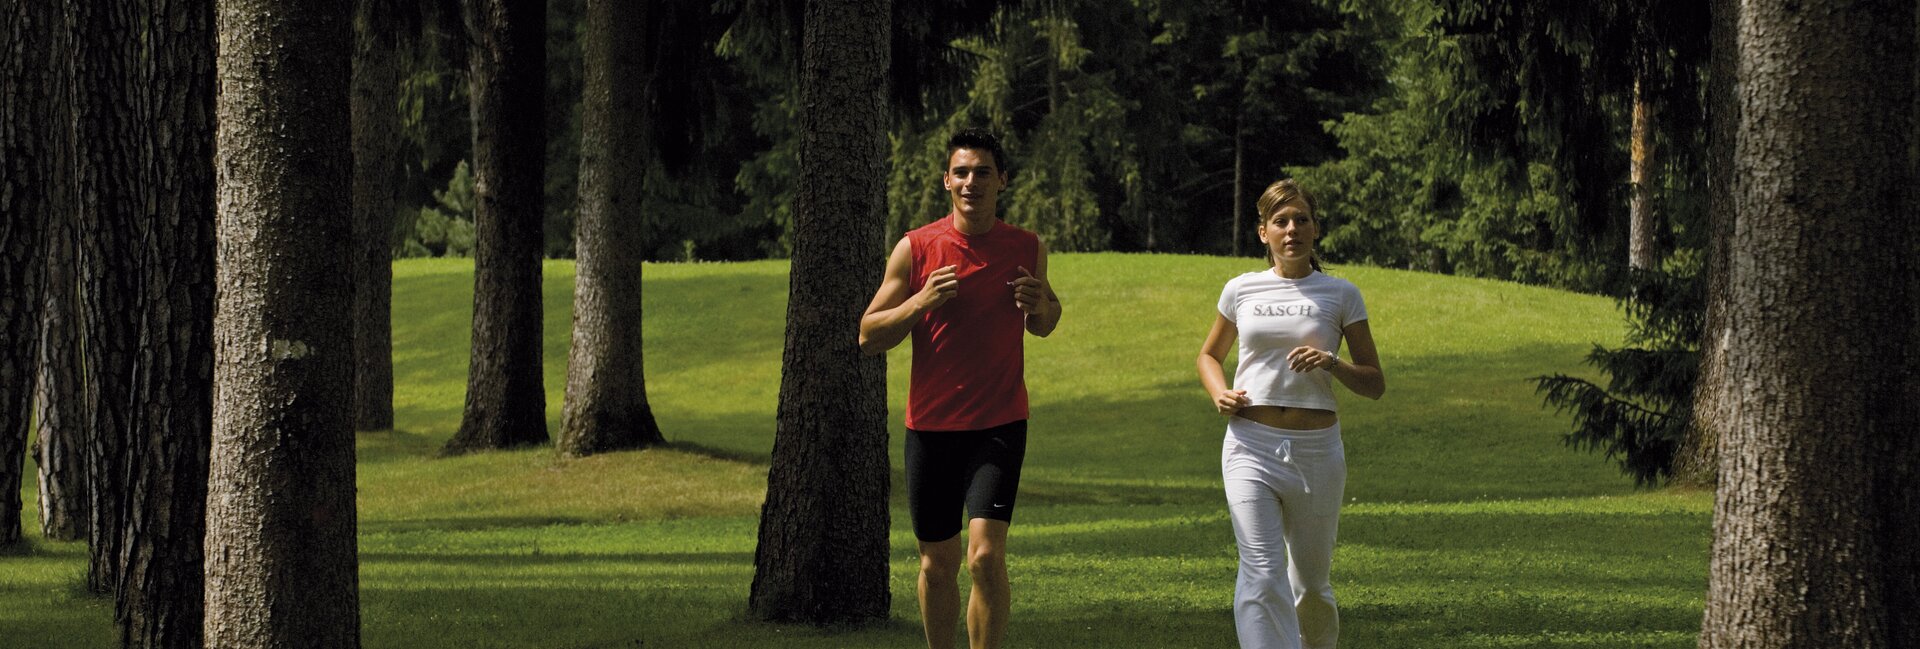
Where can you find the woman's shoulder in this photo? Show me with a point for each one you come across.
(1338, 283)
(1245, 278)
(1341, 289)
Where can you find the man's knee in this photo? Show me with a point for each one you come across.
(940, 561)
(987, 561)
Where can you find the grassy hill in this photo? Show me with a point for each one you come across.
(1468, 524)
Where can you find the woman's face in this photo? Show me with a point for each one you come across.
(1290, 231)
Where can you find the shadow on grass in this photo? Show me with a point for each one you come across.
(21, 548)
(1573, 532)
(79, 623)
(721, 454)
(1126, 626)
(407, 445)
(44, 600)
(1517, 620)
(1040, 491)
(35, 546)
(454, 524)
(535, 559)
(676, 614)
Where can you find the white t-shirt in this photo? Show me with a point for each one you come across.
(1274, 315)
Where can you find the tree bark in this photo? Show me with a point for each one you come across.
(282, 569)
(172, 399)
(606, 404)
(27, 201)
(1697, 460)
(506, 394)
(114, 186)
(830, 447)
(376, 148)
(59, 398)
(1239, 182)
(1642, 251)
(1816, 517)
(142, 99)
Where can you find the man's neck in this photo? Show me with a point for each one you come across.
(978, 223)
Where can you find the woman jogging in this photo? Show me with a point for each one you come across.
(1282, 460)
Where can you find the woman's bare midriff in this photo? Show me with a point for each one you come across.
(1291, 418)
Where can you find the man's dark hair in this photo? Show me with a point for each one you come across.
(979, 139)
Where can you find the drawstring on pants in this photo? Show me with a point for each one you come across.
(1286, 457)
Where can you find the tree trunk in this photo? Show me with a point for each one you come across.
(1239, 183)
(59, 398)
(282, 569)
(506, 394)
(1641, 248)
(1056, 22)
(830, 447)
(142, 98)
(1818, 511)
(1150, 243)
(27, 203)
(111, 194)
(606, 403)
(170, 414)
(1697, 460)
(376, 148)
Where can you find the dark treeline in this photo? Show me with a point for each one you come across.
(1132, 124)
(1477, 137)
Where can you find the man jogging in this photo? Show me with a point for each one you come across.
(967, 287)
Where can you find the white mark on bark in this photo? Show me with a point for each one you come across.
(283, 350)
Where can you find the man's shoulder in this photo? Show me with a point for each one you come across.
(1011, 231)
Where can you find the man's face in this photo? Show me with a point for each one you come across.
(974, 180)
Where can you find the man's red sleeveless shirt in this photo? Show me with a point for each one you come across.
(968, 355)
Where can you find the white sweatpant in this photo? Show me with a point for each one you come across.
(1283, 491)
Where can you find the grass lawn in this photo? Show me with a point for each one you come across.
(1468, 524)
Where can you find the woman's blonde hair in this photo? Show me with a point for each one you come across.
(1279, 193)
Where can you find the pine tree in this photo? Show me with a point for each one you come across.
(1817, 511)
(27, 203)
(376, 146)
(830, 447)
(606, 402)
(506, 394)
(281, 559)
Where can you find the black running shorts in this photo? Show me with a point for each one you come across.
(977, 468)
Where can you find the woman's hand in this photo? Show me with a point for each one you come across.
(1306, 359)
(1229, 402)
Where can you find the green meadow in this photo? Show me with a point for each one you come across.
(1468, 523)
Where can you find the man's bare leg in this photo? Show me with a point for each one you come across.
(940, 590)
(987, 562)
